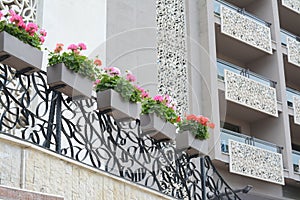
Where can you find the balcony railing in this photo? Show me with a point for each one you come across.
(227, 134)
(244, 27)
(293, 5)
(292, 42)
(285, 34)
(33, 112)
(290, 93)
(218, 3)
(222, 65)
(296, 159)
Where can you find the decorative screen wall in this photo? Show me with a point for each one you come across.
(296, 106)
(25, 8)
(255, 162)
(294, 5)
(250, 93)
(293, 49)
(245, 29)
(172, 52)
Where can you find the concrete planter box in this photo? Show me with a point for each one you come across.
(113, 104)
(186, 141)
(15, 53)
(72, 84)
(157, 128)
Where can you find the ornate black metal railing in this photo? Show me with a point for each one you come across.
(31, 111)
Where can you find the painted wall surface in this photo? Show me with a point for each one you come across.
(73, 21)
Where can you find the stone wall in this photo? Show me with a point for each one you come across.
(29, 167)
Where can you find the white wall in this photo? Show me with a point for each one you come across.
(74, 21)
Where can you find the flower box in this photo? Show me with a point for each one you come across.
(72, 84)
(15, 53)
(157, 128)
(186, 141)
(113, 104)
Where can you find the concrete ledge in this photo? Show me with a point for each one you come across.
(106, 182)
(18, 194)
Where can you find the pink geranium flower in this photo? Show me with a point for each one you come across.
(31, 28)
(130, 77)
(42, 39)
(73, 47)
(1, 15)
(145, 94)
(82, 46)
(16, 19)
(158, 98)
(43, 32)
(97, 81)
(113, 71)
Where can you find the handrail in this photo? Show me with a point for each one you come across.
(217, 3)
(252, 141)
(284, 34)
(289, 93)
(296, 152)
(246, 72)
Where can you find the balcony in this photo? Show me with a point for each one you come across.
(219, 3)
(290, 94)
(289, 15)
(243, 150)
(232, 36)
(227, 135)
(292, 44)
(246, 89)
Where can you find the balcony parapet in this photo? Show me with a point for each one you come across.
(244, 91)
(254, 162)
(293, 51)
(78, 130)
(293, 100)
(237, 23)
(293, 5)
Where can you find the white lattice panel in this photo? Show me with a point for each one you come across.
(255, 162)
(247, 92)
(293, 49)
(294, 5)
(245, 29)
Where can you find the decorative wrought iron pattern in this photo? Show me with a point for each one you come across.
(245, 29)
(294, 5)
(255, 162)
(293, 49)
(25, 8)
(250, 93)
(296, 106)
(172, 53)
(32, 112)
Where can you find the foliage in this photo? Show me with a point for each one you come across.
(28, 33)
(110, 79)
(73, 60)
(198, 125)
(162, 106)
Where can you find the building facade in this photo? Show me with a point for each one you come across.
(236, 61)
